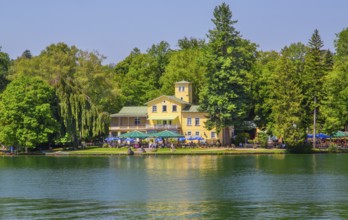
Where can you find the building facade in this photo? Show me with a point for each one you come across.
(175, 113)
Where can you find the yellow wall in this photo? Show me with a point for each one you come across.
(185, 95)
(181, 119)
(159, 103)
(203, 132)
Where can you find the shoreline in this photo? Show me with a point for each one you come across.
(95, 151)
(170, 152)
(98, 151)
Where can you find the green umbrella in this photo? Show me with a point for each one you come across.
(167, 134)
(340, 134)
(134, 134)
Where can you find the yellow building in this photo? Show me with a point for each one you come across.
(175, 113)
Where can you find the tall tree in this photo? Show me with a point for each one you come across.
(66, 69)
(335, 106)
(28, 113)
(186, 64)
(4, 66)
(341, 43)
(96, 81)
(160, 53)
(190, 43)
(226, 97)
(264, 72)
(315, 70)
(138, 78)
(287, 95)
(27, 54)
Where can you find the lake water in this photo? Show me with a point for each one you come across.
(194, 187)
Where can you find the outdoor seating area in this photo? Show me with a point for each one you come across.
(324, 141)
(163, 139)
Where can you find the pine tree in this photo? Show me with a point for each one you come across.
(315, 70)
(287, 96)
(226, 96)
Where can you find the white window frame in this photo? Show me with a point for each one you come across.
(197, 121)
(189, 121)
(154, 108)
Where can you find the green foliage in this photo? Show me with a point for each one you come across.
(341, 43)
(96, 82)
(299, 148)
(226, 95)
(232, 82)
(315, 72)
(160, 53)
(241, 138)
(82, 86)
(27, 54)
(4, 66)
(335, 102)
(333, 148)
(262, 138)
(287, 96)
(263, 87)
(137, 76)
(28, 109)
(185, 65)
(191, 43)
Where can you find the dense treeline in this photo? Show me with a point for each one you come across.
(66, 95)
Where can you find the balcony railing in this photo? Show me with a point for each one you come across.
(127, 127)
(162, 127)
(143, 127)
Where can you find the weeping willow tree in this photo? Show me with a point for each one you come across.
(80, 113)
(80, 118)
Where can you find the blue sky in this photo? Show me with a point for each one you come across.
(115, 27)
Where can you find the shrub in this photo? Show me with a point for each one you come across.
(300, 148)
(262, 138)
(241, 138)
(333, 148)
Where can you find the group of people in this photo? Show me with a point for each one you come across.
(339, 142)
(155, 145)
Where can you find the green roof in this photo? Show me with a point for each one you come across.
(140, 111)
(191, 108)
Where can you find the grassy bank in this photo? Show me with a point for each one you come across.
(166, 151)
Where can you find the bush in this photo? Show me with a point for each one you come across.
(333, 148)
(300, 148)
(262, 138)
(241, 138)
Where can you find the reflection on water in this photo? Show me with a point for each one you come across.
(263, 186)
(74, 209)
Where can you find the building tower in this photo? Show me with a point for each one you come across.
(183, 91)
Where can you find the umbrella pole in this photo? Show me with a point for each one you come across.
(314, 121)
